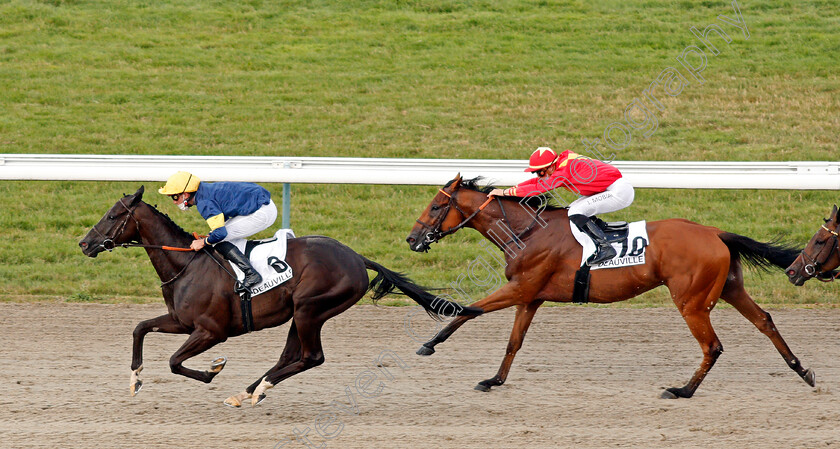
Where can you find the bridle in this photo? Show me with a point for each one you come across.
(812, 267)
(108, 242)
(435, 233)
(109, 245)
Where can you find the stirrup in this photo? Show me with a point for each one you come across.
(602, 254)
(256, 280)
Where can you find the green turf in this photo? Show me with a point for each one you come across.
(424, 79)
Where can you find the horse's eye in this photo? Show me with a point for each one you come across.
(110, 217)
(435, 207)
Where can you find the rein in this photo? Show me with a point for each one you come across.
(163, 247)
(813, 267)
(109, 245)
(518, 237)
(436, 234)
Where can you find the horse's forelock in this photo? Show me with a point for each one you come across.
(472, 184)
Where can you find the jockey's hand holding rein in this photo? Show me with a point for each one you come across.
(186, 200)
(544, 173)
(198, 244)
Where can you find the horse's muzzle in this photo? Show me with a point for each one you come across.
(92, 250)
(795, 275)
(421, 245)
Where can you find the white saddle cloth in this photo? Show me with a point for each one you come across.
(268, 258)
(628, 252)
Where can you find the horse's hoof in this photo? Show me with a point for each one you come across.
(425, 350)
(135, 383)
(137, 386)
(236, 400)
(668, 394)
(259, 393)
(810, 377)
(218, 364)
(483, 388)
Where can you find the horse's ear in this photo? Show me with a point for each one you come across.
(456, 182)
(834, 214)
(138, 195)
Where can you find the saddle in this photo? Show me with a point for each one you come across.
(267, 256)
(615, 231)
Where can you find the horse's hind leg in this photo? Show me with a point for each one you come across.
(524, 315)
(701, 327)
(428, 348)
(309, 355)
(502, 298)
(739, 298)
(291, 353)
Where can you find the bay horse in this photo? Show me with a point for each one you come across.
(821, 256)
(198, 291)
(699, 265)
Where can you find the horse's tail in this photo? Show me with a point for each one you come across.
(386, 281)
(761, 255)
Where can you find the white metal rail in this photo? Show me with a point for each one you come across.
(327, 170)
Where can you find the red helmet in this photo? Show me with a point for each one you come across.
(541, 158)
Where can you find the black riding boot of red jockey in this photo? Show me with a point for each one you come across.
(603, 250)
(232, 253)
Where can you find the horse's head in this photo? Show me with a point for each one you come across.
(821, 256)
(441, 217)
(117, 226)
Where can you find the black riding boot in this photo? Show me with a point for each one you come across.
(232, 253)
(603, 250)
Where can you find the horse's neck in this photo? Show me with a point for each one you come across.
(504, 216)
(155, 231)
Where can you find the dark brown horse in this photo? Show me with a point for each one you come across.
(699, 265)
(199, 293)
(821, 256)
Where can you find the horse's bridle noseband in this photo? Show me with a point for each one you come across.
(812, 267)
(108, 242)
(435, 233)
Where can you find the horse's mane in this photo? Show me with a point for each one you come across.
(168, 222)
(539, 201)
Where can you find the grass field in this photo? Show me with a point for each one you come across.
(442, 79)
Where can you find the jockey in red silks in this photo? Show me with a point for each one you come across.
(601, 186)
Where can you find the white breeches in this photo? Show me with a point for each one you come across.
(244, 226)
(618, 195)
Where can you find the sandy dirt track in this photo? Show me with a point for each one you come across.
(586, 377)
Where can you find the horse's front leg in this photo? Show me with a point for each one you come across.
(502, 298)
(524, 315)
(163, 323)
(199, 341)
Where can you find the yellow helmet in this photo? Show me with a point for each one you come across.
(179, 183)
